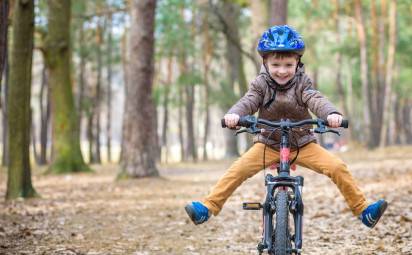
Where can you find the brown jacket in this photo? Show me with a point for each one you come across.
(291, 102)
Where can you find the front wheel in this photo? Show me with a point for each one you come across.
(282, 243)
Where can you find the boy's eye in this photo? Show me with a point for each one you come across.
(289, 65)
(275, 65)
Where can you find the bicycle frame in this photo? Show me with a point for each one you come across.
(282, 181)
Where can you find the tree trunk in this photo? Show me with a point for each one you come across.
(165, 121)
(260, 22)
(125, 64)
(140, 143)
(81, 80)
(231, 12)
(363, 70)
(190, 104)
(339, 84)
(34, 138)
(387, 109)
(398, 121)
(98, 95)
(109, 91)
(19, 172)
(407, 120)
(180, 126)
(377, 115)
(375, 73)
(4, 24)
(393, 127)
(67, 156)
(5, 88)
(44, 105)
(90, 137)
(4, 13)
(191, 153)
(278, 12)
(207, 57)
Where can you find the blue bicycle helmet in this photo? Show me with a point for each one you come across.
(281, 38)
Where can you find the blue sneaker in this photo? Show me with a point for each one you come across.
(197, 212)
(371, 215)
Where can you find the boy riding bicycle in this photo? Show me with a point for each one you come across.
(282, 90)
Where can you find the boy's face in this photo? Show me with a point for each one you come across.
(281, 69)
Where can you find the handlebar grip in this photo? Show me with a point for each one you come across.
(223, 123)
(243, 121)
(345, 123)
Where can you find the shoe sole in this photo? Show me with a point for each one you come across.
(382, 210)
(190, 212)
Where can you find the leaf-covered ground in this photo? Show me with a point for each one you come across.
(94, 214)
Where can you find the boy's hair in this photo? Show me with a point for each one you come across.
(281, 54)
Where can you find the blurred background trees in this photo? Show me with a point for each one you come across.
(96, 99)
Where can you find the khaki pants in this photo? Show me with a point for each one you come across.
(311, 156)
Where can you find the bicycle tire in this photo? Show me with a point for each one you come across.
(282, 243)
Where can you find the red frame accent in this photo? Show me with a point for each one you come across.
(284, 154)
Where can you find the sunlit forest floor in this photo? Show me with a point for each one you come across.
(94, 214)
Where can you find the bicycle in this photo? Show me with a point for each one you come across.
(283, 192)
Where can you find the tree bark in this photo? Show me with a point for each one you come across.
(4, 95)
(376, 113)
(90, 137)
(207, 57)
(231, 12)
(278, 12)
(180, 125)
(407, 120)
(339, 84)
(19, 173)
(125, 64)
(387, 109)
(4, 66)
(98, 96)
(364, 71)
(67, 156)
(44, 105)
(140, 142)
(165, 122)
(81, 88)
(190, 104)
(4, 24)
(109, 91)
(260, 22)
(34, 139)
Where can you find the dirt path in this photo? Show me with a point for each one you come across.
(93, 214)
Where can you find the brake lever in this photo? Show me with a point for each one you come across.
(333, 131)
(322, 130)
(251, 130)
(240, 131)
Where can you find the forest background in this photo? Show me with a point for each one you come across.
(135, 84)
(204, 56)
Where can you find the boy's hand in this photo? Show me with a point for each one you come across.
(334, 120)
(231, 120)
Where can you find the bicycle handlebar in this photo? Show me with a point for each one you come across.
(249, 120)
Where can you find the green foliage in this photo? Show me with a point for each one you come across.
(173, 27)
(224, 96)
(190, 79)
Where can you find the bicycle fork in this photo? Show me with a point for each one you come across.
(269, 209)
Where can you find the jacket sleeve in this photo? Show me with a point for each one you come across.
(251, 101)
(316, 102)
